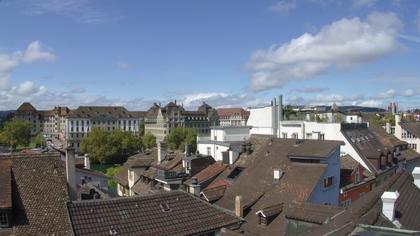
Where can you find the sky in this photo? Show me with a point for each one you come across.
(232, 53)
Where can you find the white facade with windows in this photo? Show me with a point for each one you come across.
(224, 143)
(407, 136)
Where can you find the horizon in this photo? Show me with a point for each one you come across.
(228, 54)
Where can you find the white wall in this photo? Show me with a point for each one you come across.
(331, 131)
(215, 150)
(261, 120)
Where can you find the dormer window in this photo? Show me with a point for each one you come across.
(4, 220)
(328, 182)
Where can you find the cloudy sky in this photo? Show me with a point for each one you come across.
(228, 53)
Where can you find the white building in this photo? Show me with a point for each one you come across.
(265, 120)
(80, 122)
(224, 143)
(408, 132)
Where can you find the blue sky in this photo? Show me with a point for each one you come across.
(228, 53)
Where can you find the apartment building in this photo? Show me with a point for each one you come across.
(232, 116)
(47, 122)
(408, 132)
(161, 120)
(80, 122)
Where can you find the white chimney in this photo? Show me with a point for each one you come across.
(277, 174)
(280, 115)
(388, 127)
(195, 187)
(87, 162)
(397, 119)
(70, 173)
(161, 151)
(239, 209)
(416, 176)
(388, 204)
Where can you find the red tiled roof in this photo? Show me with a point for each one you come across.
(232, 112)
(167, 213)
(5, 183)
(210, 172)
(26, 107)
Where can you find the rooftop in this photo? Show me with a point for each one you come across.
(168, 213)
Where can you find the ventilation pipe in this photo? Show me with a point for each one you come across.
(70, 173)
(416, 176)
(161, 152)
(239, 208)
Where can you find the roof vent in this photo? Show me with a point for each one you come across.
(165, 207)
(277, 174)
(113, 231)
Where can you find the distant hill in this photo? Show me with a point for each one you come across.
(361, 109)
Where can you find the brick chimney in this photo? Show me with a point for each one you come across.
(388, 204)
(416, 176)
(239, 208)
(161, 151)
(71, 173)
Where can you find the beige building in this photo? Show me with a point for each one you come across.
(47, 122)
(81, 121)
(232, 116)
(161, 120)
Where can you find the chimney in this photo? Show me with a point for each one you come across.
(70, 173)
(277, 174)
(239, 209)
(280, 115)
(388, 204)
(87, 162)
(388, 127)
(186, 162)
(195, 187)
(397, 119)
(161, 151)
(416, 176)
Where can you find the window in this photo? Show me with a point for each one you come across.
(328, 182)
(284, 135)
(309, 136)
(346, 203)
(4, 221)
(209, 151)
(294, 136)
(321, 136)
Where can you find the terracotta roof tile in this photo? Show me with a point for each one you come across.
(168, 213)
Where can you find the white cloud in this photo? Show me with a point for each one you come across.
(83, 11)
(220, 100)
(310, 90)
(363, 3)
(36, 52)
(408, 93)
(124, 66)
(391, 93)
(283, 6)
(33, 53)
(343, 44)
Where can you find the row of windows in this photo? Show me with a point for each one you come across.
(407, 135)
(412, 146)
(308, 136)
(82, 122)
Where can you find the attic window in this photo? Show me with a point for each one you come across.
(165, 207)
(235, 172)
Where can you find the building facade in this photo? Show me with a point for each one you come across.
(161, 120)
(80, 122)
(47, 122)
(232, 116)
(408, 132)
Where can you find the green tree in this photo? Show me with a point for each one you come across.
(288, 112)
(141, 129)
(180, 136)
(15, 133)
(110, 147)
(149, 140)
(38, 141)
